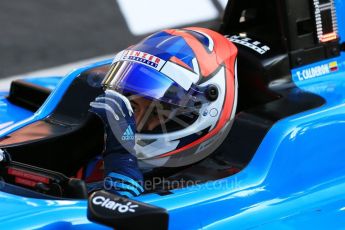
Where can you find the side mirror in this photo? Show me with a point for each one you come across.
(123, 213)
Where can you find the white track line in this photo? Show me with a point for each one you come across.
(148, 16)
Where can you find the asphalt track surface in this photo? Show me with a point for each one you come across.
(37, 34)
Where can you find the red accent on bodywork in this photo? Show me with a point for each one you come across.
(28, 175)
(25, 182)
(233, 170)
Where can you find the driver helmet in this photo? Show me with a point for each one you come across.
(189, 77)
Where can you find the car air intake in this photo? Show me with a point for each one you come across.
(28, 95)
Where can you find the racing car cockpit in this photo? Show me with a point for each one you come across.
(68, 129)
(272, 36)
(56, 147)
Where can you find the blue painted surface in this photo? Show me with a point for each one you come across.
(47, 82)
(21, 213)
(52, 101)
(12, 114)
(296, 175)
(296, 178)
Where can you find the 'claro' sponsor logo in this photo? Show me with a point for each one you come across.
(317, 71)
(112, 205)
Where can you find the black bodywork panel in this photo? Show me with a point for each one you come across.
(28, 95)
(287, 24)
(123, 213)
(69, 137)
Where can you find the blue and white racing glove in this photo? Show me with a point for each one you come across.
(123, 175)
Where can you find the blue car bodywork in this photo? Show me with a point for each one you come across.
(295, 179)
